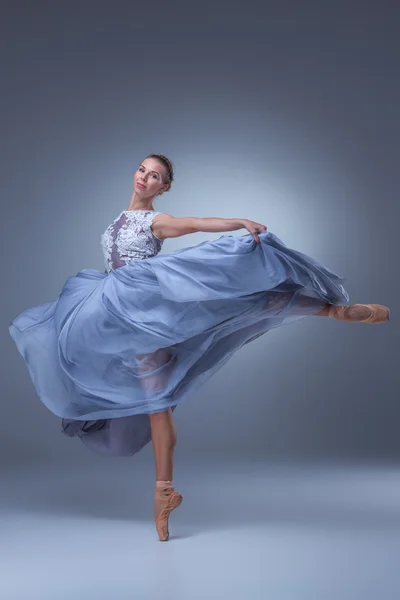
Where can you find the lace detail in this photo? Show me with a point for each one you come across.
(130, 237)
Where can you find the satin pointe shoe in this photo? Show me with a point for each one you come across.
(165, 501)
(378, 313)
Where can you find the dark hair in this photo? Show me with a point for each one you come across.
(169, 168)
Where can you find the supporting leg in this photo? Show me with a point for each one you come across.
(163, 436)
(166, 499)
(150, 362)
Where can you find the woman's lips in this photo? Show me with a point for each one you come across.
(141, 185)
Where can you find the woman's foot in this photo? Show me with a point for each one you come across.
(360, 313)
(166, 499)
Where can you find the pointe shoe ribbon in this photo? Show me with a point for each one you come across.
(378, 313)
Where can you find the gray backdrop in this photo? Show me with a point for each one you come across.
(285, 113)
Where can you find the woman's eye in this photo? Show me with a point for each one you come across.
(141, 170)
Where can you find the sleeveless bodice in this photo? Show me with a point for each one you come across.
(129, 237)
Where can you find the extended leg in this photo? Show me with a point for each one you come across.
(361, 313)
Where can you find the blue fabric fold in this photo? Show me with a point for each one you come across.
(114, 348)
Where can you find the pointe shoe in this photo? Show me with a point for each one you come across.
(169, 499)
(378, 313)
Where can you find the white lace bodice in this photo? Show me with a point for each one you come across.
(129, 237)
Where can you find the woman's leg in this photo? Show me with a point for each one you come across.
(163, 431)
(367, 313)
(359, 314)
(163, 437)
(166, 498)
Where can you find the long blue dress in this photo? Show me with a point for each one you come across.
(142, 336)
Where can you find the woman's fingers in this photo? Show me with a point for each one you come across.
(254, 228)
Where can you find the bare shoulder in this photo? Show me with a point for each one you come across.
(162, 216)
(165, 226)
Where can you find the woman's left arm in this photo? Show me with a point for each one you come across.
(166, 226)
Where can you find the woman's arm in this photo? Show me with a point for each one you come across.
(166, 226)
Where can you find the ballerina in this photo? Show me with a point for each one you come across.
(118, 351)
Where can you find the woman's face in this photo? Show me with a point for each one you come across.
(149, 174)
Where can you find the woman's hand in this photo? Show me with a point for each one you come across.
(254, 228)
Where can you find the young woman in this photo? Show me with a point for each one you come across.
(118, 351)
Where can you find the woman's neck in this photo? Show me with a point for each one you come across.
(138, 203)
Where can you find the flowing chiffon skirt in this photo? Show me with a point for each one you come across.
(114, 348)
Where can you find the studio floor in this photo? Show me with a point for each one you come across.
(248, 532)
